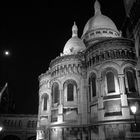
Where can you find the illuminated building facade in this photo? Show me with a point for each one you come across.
(87, 91)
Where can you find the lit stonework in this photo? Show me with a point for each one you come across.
(88, 90)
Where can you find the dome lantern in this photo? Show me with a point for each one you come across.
(97, 8)
(74, 30)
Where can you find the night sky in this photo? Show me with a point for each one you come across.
(35, 32)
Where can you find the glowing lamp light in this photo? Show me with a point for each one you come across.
(133, 109)
(6, 52)
(1, 128)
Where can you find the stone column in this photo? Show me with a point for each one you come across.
(124, 102)
(60, 113)
(100, 99)
(101, 132)
(99, 82)
(121, 84)
(60, 108)
(60, 134)
(100, 109)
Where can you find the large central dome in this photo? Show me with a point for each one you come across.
(99, 21)
(99, 25)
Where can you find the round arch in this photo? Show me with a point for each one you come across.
(127, 65)
(69, 81)
(109, 64)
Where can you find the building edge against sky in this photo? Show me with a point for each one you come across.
(87, 91)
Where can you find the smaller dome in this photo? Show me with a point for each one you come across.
(74, 44)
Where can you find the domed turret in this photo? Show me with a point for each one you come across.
(74, 44)
(99, 26)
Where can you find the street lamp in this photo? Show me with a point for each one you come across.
(6, 53)
(1, 128)
(134, 110)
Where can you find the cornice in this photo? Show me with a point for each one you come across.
(112, 42)
(64, 58)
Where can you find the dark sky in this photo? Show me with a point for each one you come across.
(35, 32)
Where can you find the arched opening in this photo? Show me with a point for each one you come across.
(70, 94)
(110, 82)
(92, 86)
(130, 80)
(70, 90)
(55, 93)
(45, 101)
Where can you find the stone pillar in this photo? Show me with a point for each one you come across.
(102, 87)
(100, 100)
(121, 84)
(60, 113)
(101, 132)
(100, 109)
(124, 102)
(59, 132)
(99, 82)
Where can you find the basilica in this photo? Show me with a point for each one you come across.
(87, 91)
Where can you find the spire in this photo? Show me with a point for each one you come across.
(97, 7)
(74, 30)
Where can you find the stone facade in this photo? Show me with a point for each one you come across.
(87, 92)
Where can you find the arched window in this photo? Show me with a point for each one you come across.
(44, 102)
(110, 82)
(92, 86)
(130, 80)
(55, 93)
(70, 90)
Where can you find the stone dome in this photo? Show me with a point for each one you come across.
(100, 22)
(74, 44)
